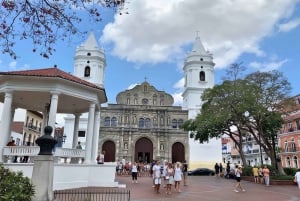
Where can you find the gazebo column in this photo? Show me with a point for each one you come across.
(53, 110)
(6, 122)
(76, 128)
(96, 135)
(89, 136)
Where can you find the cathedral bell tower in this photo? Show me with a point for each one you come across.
(90, 62)
(198, 76)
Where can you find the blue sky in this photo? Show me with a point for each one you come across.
(153, 39)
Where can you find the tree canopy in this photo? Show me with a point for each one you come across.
(45, 22)
(241, 107)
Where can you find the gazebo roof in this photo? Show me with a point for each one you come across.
(32, 90)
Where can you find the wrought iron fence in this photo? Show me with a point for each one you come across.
(94, 194)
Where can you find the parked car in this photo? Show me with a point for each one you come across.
(201, 172)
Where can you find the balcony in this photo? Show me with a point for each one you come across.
(290, 150)
(34, 128)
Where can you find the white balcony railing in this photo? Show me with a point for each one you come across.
(31, 151)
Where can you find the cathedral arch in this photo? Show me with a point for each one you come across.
(178, 152)
(110, 151)
(143, 150)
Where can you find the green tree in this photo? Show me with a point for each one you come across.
(14, 186)
(266, 112)
(45, 22)
(261, 95)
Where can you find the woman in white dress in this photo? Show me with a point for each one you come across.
(177, 176)
(169, 178)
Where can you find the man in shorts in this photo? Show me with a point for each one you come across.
(156, 176)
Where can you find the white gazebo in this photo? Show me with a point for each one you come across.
(52, 91)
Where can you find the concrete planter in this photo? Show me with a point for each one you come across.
(272, 182)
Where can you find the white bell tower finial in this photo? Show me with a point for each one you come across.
(90, 62)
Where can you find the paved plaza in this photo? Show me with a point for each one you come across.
(210, 188)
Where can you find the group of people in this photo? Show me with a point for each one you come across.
(170, 174)
(167, 174)
(219, 169)
(261, 175)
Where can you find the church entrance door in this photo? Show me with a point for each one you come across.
(143, 150)
(110, 151)
(178, 153)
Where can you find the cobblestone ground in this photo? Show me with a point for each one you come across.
(210, 188)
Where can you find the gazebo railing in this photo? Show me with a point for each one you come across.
(68, 155)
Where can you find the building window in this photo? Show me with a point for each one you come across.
(148, 123)
(88, 54)
(293, 146)
(202, 76)
(81, 133)
(285, 146)
(180, 122)
(174, 123)
(141, 123)
(113, 122)
(298, 124)
(128, 101)
(107, 121)
(87, 71)
(295, 162)
(288, 162)
(291, 127)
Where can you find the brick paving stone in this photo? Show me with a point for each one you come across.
(210, 188)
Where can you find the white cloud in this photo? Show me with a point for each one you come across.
(178, 100)
(180, 84)
(268, 66)
(12, 65)
(157, 30)
(132, 86)
(286, 27)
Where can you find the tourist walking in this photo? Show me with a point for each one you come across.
(217, 169)
(185, 172)
(221, 174)
(266, 173)
(238, 173)
(169, 178)
(177, 176)
(156, 176)
(134, 172)
(227, 170)
(297, 178)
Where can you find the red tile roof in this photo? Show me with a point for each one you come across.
(51, 72)
(17, 126)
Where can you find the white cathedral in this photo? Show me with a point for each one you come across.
(90, 64)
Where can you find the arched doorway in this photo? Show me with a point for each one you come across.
(178, 152)
(143, 150)
(110, 151)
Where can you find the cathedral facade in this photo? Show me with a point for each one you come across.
(143, 126)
